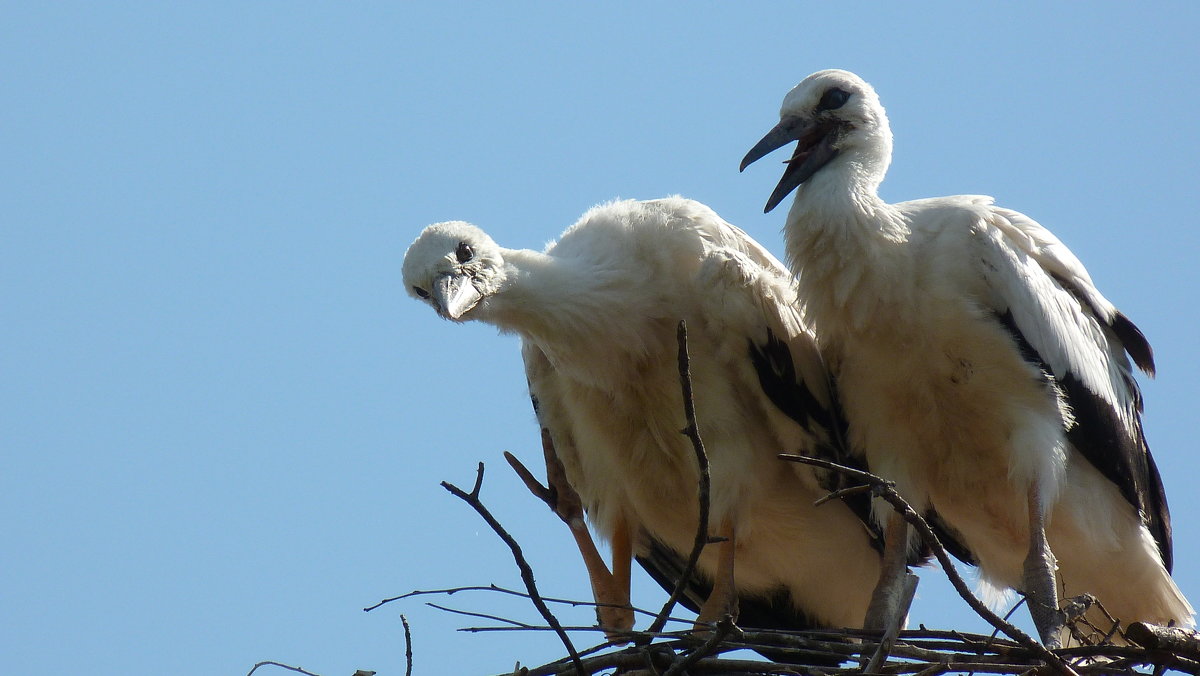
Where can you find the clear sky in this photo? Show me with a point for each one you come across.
(223, 422)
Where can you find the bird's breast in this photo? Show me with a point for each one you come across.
(946, 406)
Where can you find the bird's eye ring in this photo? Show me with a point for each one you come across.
(833, 99)
(464, 252)
(420, 292)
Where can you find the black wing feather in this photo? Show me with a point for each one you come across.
(778, 378)
(1120, 454)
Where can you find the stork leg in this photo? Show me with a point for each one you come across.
(1040, 581)
(610, 589)
(887, 601)
(723, 599)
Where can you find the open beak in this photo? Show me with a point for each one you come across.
(454, 295)
(814, 149)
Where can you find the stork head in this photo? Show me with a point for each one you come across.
(453, 266)
(837, 122)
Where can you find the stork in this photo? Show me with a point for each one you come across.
(979, 367)
(597, 313)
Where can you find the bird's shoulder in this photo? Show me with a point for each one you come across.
(673, 235)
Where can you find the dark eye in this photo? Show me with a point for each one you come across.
(833, 99)
(464, 252)
(420, 292)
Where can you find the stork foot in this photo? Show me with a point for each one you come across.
(616, 622)
(717, 607)
(1042, 597)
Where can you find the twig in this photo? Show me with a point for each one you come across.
(407, 646)
(724, 628)
(562, 499)
(887, 490)
(298, 670)
(692, 432)
(519, 626)
(660, 660)
(485, 616)
(472, 499)
(841, 493)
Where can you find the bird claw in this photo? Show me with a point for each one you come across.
(1049, 621)
(1075, 607)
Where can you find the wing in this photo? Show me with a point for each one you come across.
(662, 563)
(755, 296)
(1041, 294)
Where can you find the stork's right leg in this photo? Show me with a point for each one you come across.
(611, 590)
(1040, 580)
(887, 601)
(723, 599)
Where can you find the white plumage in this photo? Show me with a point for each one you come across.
(597, 314)
(978, 365)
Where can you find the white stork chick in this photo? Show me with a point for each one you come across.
(979, 367)
(597, 314)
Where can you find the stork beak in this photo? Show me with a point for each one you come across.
(454, 295)
(814, 149)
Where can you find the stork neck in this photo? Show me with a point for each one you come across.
(846, 243)
(544, 296)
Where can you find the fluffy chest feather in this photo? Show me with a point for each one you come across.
(937, 393)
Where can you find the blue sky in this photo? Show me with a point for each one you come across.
(224, 423)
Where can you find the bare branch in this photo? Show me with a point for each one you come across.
(1181, 641)
(450, 591)
(407, 646)
(472, 499)
(692, 432)
(724, 628)
(298, 670)
(486, 616)
(841, 493)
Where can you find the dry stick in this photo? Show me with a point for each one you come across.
(886, 490)
(484, 616)
(692, 432)
(630, 660)
(501, 590)
(964, 653)
(450, 591)
(562, 499)
(724, 628)
(1183, 642)
(407, 646)
(280, 665)
(472, 499)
